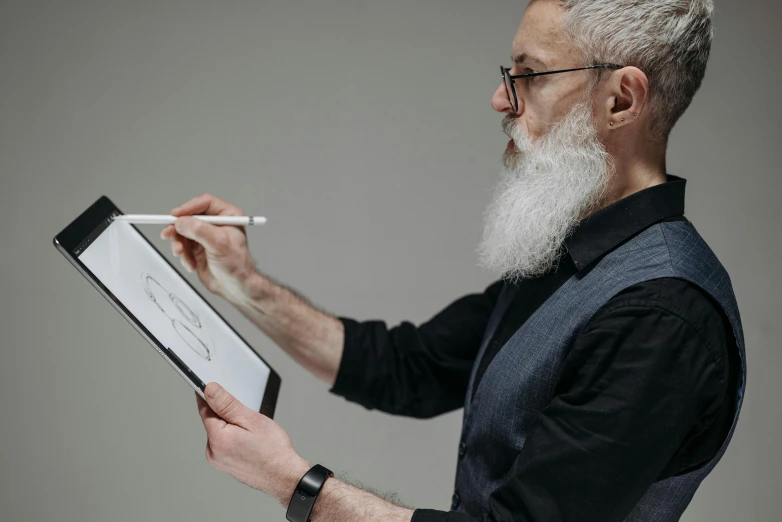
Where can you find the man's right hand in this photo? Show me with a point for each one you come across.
(218, 253)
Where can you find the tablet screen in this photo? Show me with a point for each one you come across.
(160, 299)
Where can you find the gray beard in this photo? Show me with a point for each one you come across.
(546, 190)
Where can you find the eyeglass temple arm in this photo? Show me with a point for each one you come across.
(601, 66)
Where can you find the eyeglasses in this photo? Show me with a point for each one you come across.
(509, 80)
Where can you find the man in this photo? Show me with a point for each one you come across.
(603, 374)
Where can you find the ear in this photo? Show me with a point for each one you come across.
(627, 93)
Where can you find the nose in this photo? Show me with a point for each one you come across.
(500, 102)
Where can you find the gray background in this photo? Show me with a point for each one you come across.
(363, 131)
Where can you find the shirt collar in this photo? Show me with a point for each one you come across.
(604, 230)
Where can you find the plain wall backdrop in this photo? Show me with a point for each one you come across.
(363, 131)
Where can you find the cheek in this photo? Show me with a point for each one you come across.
(543, 108)
(533, 125)
(539, 120)
(536, 117)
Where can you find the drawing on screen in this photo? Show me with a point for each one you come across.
(183, 319)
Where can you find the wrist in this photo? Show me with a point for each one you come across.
(255, 289)
(289, 479)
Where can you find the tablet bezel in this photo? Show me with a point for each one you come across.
(84, 226)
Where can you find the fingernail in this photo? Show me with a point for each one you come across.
(215, 391)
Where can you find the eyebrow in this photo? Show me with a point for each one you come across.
(525, 58)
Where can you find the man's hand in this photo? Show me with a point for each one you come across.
(257, 452)
(313, 338)
(219, 253)
(248, 445)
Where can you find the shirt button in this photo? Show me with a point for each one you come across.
(462, 449)
(455, 500)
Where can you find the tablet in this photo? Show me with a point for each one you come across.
(165, 308)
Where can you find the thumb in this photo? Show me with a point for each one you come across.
(202, 232)
(228, 407)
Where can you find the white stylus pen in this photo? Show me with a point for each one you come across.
(164, 219)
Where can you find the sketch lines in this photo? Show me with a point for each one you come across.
(184, 320)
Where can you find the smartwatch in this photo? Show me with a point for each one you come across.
(306, 494)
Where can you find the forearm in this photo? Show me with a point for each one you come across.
(339, 501)
(342, 502)
(310, 336)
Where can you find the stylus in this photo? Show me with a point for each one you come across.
(164, 219)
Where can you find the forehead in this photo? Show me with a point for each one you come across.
(540, 37)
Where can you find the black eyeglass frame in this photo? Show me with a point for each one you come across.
(510, 79)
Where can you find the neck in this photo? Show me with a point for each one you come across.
(634, 173)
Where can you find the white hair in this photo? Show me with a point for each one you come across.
(669, 40)
(546, 190)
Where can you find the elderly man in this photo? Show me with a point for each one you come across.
(602, 375)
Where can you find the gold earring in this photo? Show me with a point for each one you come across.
(635, 114)
(611, 124)
(623, 119)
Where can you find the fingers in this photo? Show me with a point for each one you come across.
(227, 407)
(196, 255)
(211, 420)
(167, 232)
(178, 245)
(209, 205)
(185, 249)
(188, 255)
(207, 235)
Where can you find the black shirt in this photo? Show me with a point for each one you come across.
(645, 392)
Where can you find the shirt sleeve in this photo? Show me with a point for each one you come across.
(418, 371)
(639, 378)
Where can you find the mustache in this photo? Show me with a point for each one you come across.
(508, 123)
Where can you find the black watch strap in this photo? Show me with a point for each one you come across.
(306, 493)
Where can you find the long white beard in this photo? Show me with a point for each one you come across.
(545, 191)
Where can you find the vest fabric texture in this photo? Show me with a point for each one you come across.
(521, 379)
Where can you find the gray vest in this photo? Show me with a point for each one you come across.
(520, 380)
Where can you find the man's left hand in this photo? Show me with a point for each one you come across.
(248, 445)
